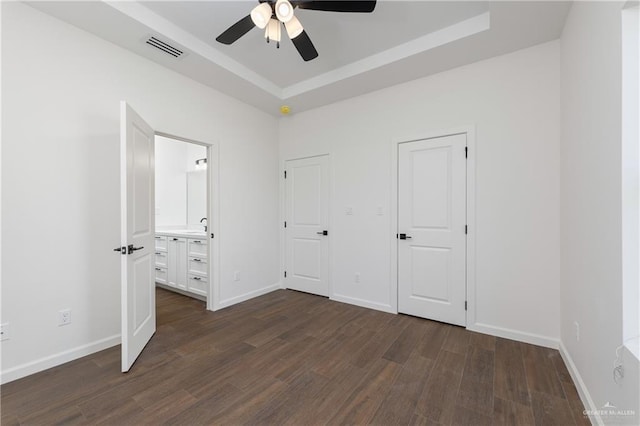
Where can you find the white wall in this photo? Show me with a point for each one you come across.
(514, 103)
(591, 291)
(60, 182)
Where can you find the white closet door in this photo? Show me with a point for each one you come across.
(307, 233)
(431, 226)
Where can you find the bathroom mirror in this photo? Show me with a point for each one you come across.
(196, 196)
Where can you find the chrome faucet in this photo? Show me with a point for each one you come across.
(205, 226)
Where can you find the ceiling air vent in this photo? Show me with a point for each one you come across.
(165, 47)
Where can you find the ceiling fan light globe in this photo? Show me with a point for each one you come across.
(284, 10)
(294, 27)
(261, 14)
(272, 32)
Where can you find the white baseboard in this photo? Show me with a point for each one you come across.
(364, 303)
(580, 386)
(520, 336)
(54, 360)
(246, 296)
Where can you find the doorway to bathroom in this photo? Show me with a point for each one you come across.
(181, 221)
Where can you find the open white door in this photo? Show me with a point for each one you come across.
(137, 234)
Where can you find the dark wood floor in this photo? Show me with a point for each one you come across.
(296, 359)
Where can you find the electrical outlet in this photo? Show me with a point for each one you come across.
(4, 331)
(577, 325)
(64, 317)
(236, 276)
(357, 278)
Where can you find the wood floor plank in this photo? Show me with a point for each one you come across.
(467, 417)
(550, 410)
(511, 413)
(433, 339)
(420, 420)
(540, 370)
(510, 377)
(362, 404)
(298, 395)
(331, 396)
(483, 341)
(457, 340)
(400, 402)
(290, 358)
(402, 347)
(378, 345)
(476, 396)
(577, 408)
(438, 398)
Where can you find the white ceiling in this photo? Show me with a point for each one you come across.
(358, 53)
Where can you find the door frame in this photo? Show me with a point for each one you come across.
(283, 218)
(213, 211)
(470, 280)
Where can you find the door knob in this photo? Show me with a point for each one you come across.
(322, 232)
(131, 248)
(122, 250)
(404, 237)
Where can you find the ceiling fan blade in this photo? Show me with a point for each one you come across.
(236, 31)
(305, 47)
(361, 6)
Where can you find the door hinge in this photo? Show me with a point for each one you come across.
(285, 223)
(285, 174)
(285, 274)
(465, 305)
(466, 229)
(466, 152)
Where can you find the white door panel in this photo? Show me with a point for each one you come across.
(137, 234)
(307, 211)
(432, 213)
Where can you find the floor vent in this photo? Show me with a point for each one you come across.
(165, 47)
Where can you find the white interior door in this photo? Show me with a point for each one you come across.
(137, 234)
(431, 227)
(307, 217)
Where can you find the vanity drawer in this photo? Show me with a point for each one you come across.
(198, 266)
(197, 248)
(198, 285)
(161, 243)
(161, 258)
(161, 275)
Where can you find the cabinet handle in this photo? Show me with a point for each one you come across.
(175, 239)
(158, 269)
(197, 242)
(197, 278)
(158, 254)
(157, 238)
(197, 260)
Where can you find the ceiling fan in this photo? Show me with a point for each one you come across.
(270, 13)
